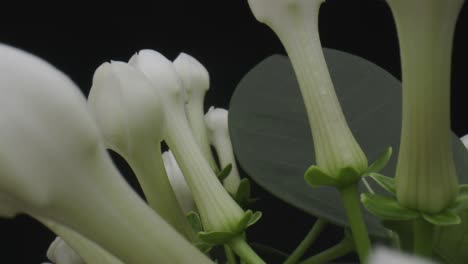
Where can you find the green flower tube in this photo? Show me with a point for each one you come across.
(295, 22)
(426, 179)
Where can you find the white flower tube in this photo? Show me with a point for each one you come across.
(54, 166)
(219, 212)
(195, 82)
(295, 22)
(178, 183)
(129, 115)
(216, 120)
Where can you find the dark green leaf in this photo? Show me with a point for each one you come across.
(224, 172)
(387, 208)
(380, 163)
(444, 218)
(385, 182)
(194, 220)
(271, 137)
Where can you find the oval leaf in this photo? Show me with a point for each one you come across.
(271, 136)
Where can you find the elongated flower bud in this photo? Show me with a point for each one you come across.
(425, 177)
(295, 22)
(218, 211)
(217, 123)
(129, 115)
(54, 166)
(195, 82)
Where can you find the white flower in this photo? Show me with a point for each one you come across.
(195, 82)
(218, 211)
(178, 183)
(216, 120)
(129, 115)
(54, 166)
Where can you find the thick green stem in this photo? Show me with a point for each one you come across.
(338, 250)
(349, 196)
(230, 257)
(244, 251)
(423, 237)
(310, 238)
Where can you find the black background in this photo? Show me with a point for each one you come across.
(226, 38)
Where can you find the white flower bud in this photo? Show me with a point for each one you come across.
(382, 255)
(130, 116)
(218, 211)
(195, 82)
(216, 120)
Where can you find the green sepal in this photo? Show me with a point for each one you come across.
(216, 237)
(443, 218)
(387, 183)
(387, 208)
(243, 222)
(315, 177)
(380, 162)
(254, 218)
(461, 202)
(242, 196)
(195, 222)
(222, 175)
(347, 176)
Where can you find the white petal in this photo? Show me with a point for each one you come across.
(126, 108)
(382, 255)
(60, 253)
(464, 139)
(192, 73)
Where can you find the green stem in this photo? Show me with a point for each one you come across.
(230, 257)
(244, 251)
(310, 238)
(338, 250)
(349, 196)
(423, 237)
